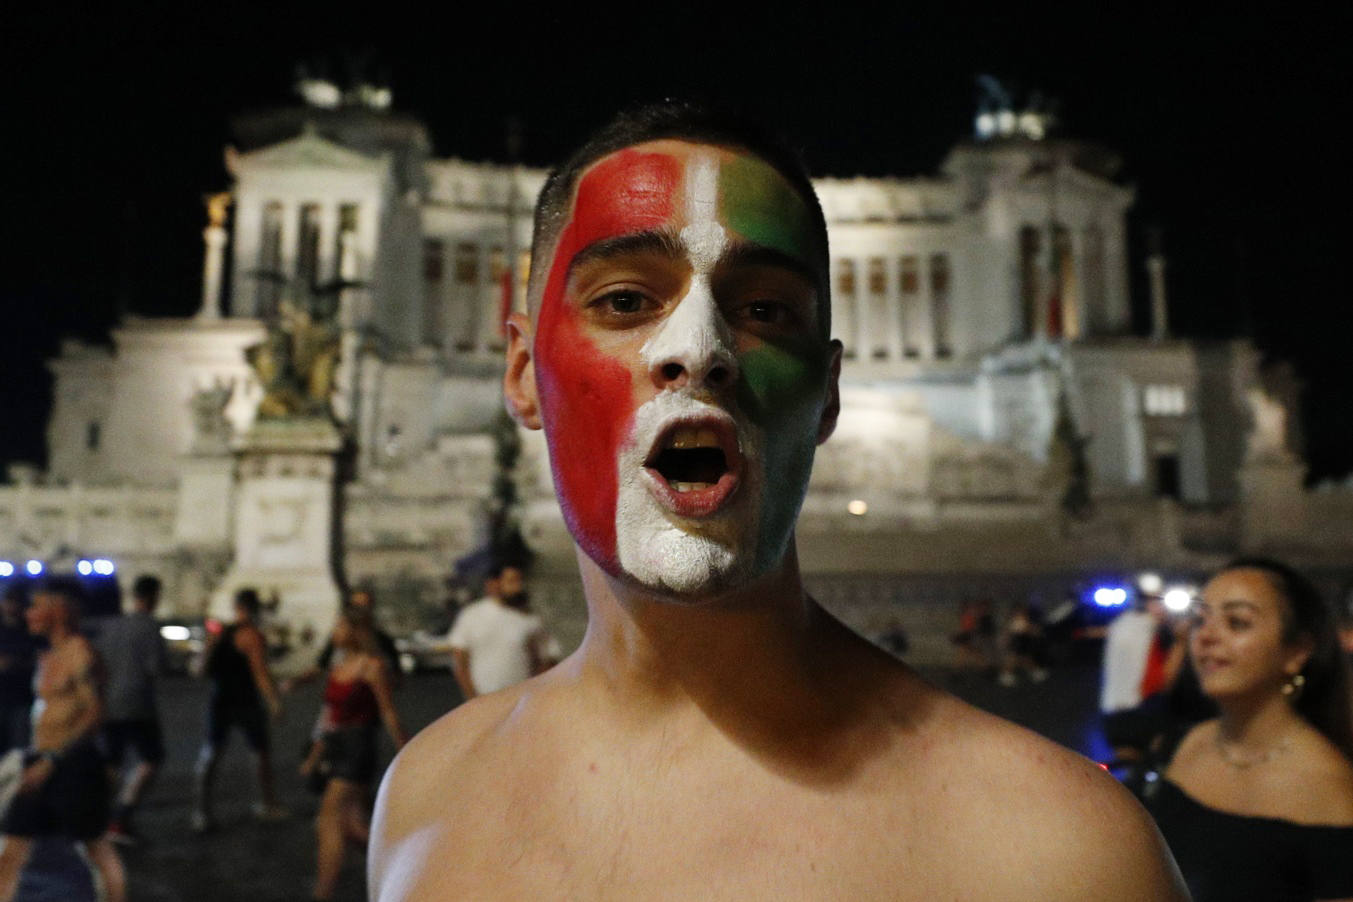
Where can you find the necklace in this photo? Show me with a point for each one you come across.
(1229, 755)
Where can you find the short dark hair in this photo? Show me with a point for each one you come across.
(249, 600)
(496, 569)
(68, 588)
(1325, 700)
(688, 121)
(147, 588)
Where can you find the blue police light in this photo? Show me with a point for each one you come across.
(6, 569)
(34, 568)
(103, 567)
(1110, 596)
(84, 568)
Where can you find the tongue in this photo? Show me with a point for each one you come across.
(696, 466)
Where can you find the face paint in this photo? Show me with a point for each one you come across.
(601, 428)
(760, 206)
(586, 396)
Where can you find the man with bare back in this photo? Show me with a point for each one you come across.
(718, 735)
(64, 790)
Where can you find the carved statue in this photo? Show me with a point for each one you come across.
(295, 364)
(217, 204)
(211, 429)
(1268, 436)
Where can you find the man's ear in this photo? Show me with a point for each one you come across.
(832, 409)
(519, 382)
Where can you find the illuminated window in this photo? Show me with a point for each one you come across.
(909, 270)
(433, 252)
(270, 260)
(877, 309)
(307, 249)
(939, 299)
(878, 278)
(1164, 400)
(467, 263)
(845, 278)
(844, 305)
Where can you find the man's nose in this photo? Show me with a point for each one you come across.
(694, 347)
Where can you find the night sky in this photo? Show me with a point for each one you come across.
(114, 121)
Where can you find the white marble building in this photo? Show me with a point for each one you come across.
(977, 306)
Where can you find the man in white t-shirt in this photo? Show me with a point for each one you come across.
(496, 643)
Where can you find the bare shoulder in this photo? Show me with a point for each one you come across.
(1047, 811)
(1321, 789)
(443, 765)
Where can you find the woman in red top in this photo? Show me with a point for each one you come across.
(356, 700)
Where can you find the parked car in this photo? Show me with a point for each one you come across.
(424, 650)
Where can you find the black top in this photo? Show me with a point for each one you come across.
(1226, 857)
(232, 680)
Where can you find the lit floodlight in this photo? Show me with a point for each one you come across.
(1150, 583)
(1031, 126)
(859, 507)
(103, 567)
(6, 569)
(1005, 122)
(84, 568)
(986, 125)
(172, 633)
(1110, 596)
(34, 568)
(1178, 600)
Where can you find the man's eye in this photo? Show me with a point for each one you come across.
(772, 312)
(621, 303)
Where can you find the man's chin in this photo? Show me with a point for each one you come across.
(684, 568)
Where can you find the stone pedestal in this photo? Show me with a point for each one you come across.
(1274, 510)
(285, 531)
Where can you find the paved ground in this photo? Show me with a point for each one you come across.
(244, 860)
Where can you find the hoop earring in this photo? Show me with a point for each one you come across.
(1292, 688)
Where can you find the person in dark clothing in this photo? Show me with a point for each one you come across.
(242, 696)
(133, 657)
(18, 656)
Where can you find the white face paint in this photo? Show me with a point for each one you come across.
(656, 547)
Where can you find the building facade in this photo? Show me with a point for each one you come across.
(999, 416)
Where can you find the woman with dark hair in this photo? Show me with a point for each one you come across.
(1258, 802)
(357, 699)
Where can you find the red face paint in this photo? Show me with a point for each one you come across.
(587, 399)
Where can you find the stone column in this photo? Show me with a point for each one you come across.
(1160, 318)
(892, 305)
(864, 310)
(213, 260)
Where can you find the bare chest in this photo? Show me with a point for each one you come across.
(736, 840)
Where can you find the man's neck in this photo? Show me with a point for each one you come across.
(749, 647)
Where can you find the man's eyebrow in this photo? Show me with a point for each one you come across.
(748, 254)
(1238, 603)
(653, 242)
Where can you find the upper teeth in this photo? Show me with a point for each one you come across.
(691, 437)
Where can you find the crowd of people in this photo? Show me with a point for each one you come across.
(83, 742)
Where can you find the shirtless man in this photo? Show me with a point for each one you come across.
(718, 735)
(64, 790)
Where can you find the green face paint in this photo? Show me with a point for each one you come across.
(757, 203)
(782, 390)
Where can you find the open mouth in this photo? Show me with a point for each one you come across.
(691, 459)
(694, 466)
